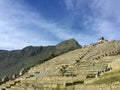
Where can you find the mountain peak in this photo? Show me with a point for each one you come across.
(69, 43)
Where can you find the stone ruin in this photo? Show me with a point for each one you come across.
(101, 40)
(6, 78)
(23, 71)
(99, 73)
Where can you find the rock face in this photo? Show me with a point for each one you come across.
(67, 45)
(11, 62)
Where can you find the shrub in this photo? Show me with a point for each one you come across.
(63, 69)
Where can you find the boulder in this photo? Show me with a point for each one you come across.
(23, 71)
(14, 76)
(5, 79)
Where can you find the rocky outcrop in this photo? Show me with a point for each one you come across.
(5, 79)
(23, 71)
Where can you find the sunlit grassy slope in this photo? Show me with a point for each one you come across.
(80, 63)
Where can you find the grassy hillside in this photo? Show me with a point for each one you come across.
(11, 62)
(70, 71)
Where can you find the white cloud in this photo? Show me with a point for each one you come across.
(77, 8)
(105, 28)
(108, 9)
(21, 25)
(69, 4)
(76, 4)
(106, 19)
(17, 27)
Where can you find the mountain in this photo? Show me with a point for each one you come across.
(92, 67)
(11, 62)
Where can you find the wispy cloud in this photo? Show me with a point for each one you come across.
(107, 18)
(101, 17)
(21, 25)
(78, 7)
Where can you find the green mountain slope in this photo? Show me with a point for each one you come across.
(11, 62)
(74, 70)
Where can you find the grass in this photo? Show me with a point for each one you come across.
(59, 88)
(111, 73)
(11, 62)
(107, 80)
(109, 77)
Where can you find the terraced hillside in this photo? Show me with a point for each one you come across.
(75, 70)
(11, 62)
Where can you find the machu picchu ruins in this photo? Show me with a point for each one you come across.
(88, 68)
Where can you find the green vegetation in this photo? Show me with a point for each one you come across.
(11, 62)
(63, 69)
(59, 88)
(108, 80)
(108, 77)
(111, 73)
(80, 76)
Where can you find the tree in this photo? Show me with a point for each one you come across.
(63, 69)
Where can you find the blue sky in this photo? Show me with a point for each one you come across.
(48, 22)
